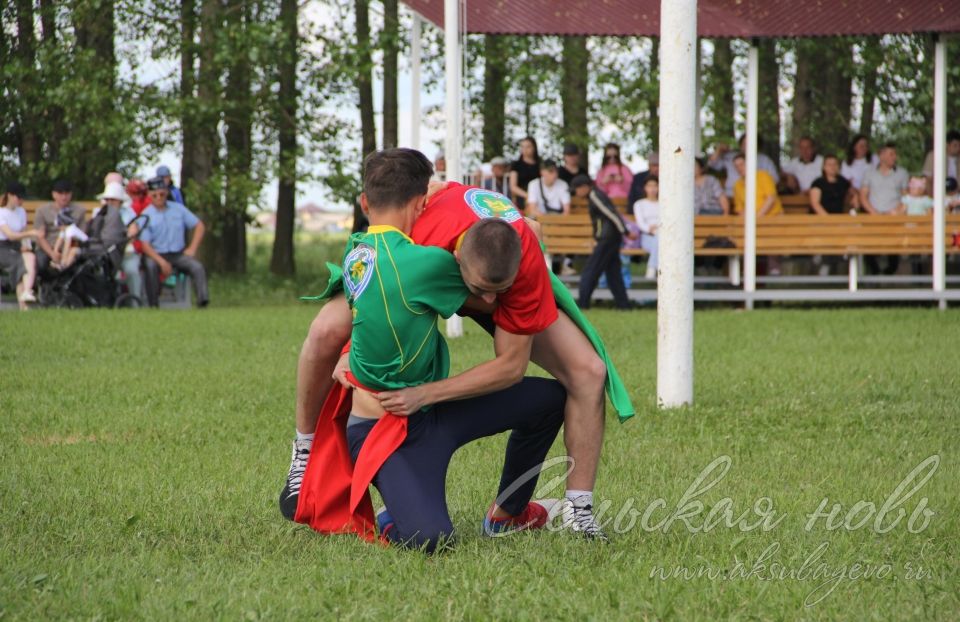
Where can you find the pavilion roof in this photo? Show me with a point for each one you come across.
(716, 18)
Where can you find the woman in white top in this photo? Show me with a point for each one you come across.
(16, 258)
(858, 160)
(647, 213)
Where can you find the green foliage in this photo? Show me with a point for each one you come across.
(153, 496)
(625, 91)
(69, 96)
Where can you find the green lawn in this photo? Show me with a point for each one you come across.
(142, 454)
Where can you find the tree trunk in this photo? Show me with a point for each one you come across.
(282, 260)
(26, 51)
(188, 78)
(53, 126)
(953, 94)
(769, 121)
(869, 101)
(94, 30)
(206, 192)
(368, 128)
(721, 91)
(838, 95)
(808, 76)
(391, 45)
(48, 20)
(238, 116)
(494, 96)
(573, 92)
(654, 104)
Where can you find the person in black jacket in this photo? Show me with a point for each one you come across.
(609, 230)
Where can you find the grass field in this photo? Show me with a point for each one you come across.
(142, 454)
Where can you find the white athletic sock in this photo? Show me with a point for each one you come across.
(305, 437)
(580, 498)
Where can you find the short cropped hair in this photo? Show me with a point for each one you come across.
(548, 165)
(394, 176)
(493, 246)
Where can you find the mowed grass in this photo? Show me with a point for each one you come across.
(141, 455)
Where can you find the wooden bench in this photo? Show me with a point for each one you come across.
(792, 204)
(806, 234)
(32, 206)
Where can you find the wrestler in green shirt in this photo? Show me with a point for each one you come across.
(396, 290)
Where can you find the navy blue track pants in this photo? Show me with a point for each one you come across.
(412, 481)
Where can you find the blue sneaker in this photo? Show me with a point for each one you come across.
(384, 521)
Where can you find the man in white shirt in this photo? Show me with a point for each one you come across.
(548, 194)
(803, 170)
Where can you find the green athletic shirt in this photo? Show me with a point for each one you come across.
(396, 290)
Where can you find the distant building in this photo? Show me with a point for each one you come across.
(311, 218)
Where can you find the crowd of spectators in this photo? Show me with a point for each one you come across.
(858, 180)
(139, 231)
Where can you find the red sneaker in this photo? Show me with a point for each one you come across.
(534, 516)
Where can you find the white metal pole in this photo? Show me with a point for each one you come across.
(415, 80)
(451, 111)
(698, 127)
(939, 163)
(678, 95)
(451, 107)
(750, 211)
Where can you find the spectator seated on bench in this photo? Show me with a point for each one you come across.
(16, 258)
(164, 244)
(647, 213)
(51, 221)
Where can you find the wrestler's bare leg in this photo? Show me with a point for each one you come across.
(328, 333)
(565, 353)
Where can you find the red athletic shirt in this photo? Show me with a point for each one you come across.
(528, 306)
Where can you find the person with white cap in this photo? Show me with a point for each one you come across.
(176, 194)
(110, 226)
(500, 181)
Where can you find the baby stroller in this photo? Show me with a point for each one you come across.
(92, 281)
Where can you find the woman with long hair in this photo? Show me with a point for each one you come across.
(16, 256)
(523, 170)
(614, 177)
(859, 158)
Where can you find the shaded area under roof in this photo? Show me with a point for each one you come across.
(716, 18)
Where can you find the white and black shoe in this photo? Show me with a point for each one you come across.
(580, 520)
(291, 490)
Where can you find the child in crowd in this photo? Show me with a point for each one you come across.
(647, 213)
(952, 200)
(68, 239)
(916, 202)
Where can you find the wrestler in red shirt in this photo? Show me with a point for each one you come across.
(528, 307)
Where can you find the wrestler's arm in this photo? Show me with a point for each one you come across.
(512, 357)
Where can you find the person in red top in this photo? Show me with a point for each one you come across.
(139, 200)
(526, 325)
(528, 306)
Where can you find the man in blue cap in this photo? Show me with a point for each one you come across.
(165, 249)
(176, 194)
